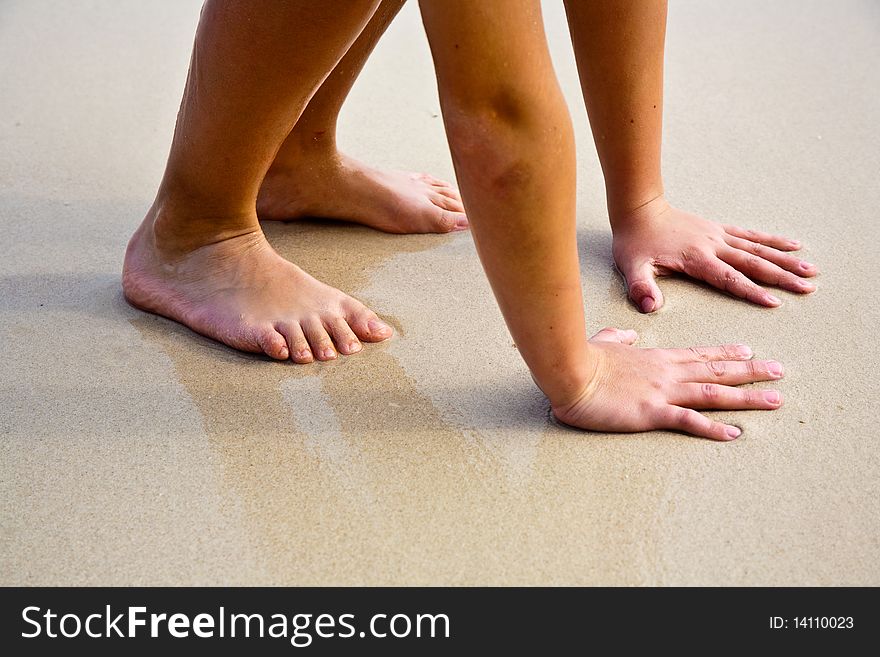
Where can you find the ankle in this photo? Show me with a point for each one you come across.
(179, 228)
(306, 149)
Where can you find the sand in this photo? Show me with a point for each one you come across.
(134, 452)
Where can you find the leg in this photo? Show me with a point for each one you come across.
(619, 49)
(310, 177)
(199, 257)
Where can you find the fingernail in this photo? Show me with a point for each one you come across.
(774, 368)
(795, 243)
(776, 301)
(744, 351)
(733, 432)
(806, 285)
(647, 304)
(772, 396)
(376, 326)
(805, 266)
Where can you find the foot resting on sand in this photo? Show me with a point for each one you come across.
(335, 186)
(239, 291)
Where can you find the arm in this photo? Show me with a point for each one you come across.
(512, 148)
(619, 49)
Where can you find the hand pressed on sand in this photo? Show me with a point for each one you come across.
(635, 389)
(658, 239)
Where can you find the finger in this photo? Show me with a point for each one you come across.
(641, 286)
(731, 372)
(623, 336)
(776, 241)
(694, 423)
(719, 397)
(300, 352)
(756, 267)
(719, 274)
(704, 354)
(319, 340)
(345, 339)
(785, 260)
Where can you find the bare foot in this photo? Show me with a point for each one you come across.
(340, 187)
(241, 292)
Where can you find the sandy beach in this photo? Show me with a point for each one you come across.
(135, 452)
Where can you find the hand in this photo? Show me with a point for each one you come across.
(658, 239)
(636, 389)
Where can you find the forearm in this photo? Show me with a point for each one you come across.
(619, 50)
(513, 150)
(518, 182)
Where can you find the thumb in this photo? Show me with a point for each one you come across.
(642, 287)
(608, 334)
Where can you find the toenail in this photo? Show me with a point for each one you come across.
(329, 353)
(772, 396)
(354, 347)
(376, 326)
(303, 355)
(647, 304)
(774, 368)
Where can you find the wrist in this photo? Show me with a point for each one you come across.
(572, 381)
(647, 206)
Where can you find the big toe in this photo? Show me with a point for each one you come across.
(442, 220)
(273, 344)
(366, 324)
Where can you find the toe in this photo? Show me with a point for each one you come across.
(449, 191)
(345, 339)
(273, 344)
(319, 340)
(447, 202)
(366, 324)
(445, 221)
(300, 352)
(435, 182)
